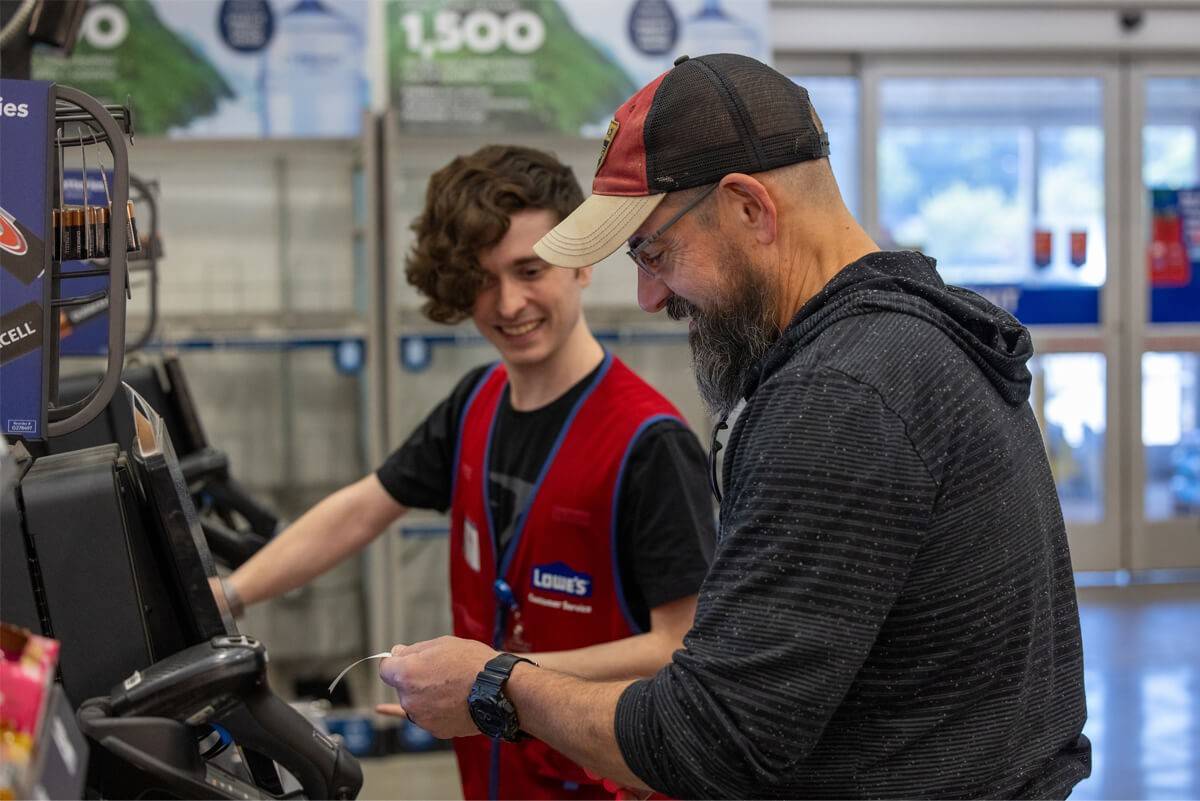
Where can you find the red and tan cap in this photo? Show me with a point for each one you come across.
(703, 119)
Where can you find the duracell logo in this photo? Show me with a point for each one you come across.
(19, 110)
(21, 250)
(11, 238)
(20, 331)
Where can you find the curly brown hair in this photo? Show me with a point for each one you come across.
(467, 208)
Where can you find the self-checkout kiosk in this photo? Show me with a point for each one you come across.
(101, 547)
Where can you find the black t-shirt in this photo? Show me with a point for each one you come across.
(665, 521)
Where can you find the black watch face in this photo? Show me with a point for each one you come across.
(487, 716)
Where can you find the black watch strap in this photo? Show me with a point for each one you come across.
(499, 668)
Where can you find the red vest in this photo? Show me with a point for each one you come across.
(558, 577)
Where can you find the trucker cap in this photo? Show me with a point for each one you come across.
(699, 121)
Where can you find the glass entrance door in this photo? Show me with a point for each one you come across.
(1164, 305)
(1004, 174)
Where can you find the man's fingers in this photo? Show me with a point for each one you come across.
(400, 649)
(394, 710)
(390, 670)
(418, 647)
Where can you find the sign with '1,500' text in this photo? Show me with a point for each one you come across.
(548, 66)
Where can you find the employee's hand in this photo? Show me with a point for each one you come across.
(432, 681)
(226, 604)
(392, 710)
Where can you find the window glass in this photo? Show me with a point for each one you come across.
(1073, 417)
(1171, 434)
(836, 100)
(1000, 179)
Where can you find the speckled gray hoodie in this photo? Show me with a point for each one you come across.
(891, 609)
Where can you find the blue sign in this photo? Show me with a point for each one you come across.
(1174, 256)
(26, 125)
(1062, 305)
(96, 183)
(415, 353)
(349, 355)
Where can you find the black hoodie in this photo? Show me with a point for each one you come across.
(891, 610)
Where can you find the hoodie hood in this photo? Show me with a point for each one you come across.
(907, 282)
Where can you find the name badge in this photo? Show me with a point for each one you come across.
(471, 545)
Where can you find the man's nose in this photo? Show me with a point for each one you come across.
(652, 294)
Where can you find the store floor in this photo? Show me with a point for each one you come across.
(411, 776)
(1142, 661)
(1142, 669)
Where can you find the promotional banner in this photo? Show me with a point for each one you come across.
(1174, 255)
(548, 66)
(224, 68)
(25, 123)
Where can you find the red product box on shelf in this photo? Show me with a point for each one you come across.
(26, 673)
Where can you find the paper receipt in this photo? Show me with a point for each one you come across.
(382, 655)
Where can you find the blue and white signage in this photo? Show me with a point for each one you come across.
(25, 130)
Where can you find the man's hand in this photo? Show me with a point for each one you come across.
(574, 716)
(433, 680)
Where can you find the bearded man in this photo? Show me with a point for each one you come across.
(890, 611)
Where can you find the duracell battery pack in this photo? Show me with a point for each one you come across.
(89, 233)
(132, 243)
(20, 331)
(73, 233)
(101, 227)
(21, 253)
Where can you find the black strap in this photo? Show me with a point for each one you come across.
(498, 669)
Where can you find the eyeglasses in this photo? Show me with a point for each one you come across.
(637, 249)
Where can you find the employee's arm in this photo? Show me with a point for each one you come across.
(340, 525)
(633, 657)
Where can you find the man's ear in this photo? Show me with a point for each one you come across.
(746, 202)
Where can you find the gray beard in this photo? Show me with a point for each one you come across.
(729, 341)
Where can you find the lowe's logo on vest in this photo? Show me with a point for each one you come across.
(559, 577)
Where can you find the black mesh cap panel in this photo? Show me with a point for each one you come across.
(717, 114)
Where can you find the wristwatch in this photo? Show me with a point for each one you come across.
(492, 711)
